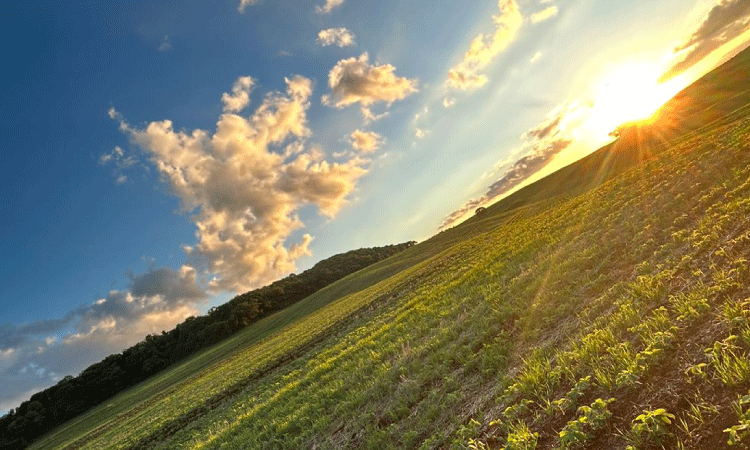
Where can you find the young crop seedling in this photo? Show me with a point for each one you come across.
(740, 431)
(592, 419)
(730, 362)
(650, 428)
(571, 398)
(520, 437)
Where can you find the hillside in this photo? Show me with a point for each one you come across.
(605, 306)
(719, 97)
(100, 381)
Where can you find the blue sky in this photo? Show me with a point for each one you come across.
(296, 130)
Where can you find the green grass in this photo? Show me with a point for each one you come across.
(504, 332)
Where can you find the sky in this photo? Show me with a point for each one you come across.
(157, 158)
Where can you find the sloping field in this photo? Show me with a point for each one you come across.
(616, 317)
(629, 302)
(145, 408)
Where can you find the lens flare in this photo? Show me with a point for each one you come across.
(630, 93)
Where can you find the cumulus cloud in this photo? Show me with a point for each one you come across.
(245, 3)
(245, 183)
(545, 14)
(336, 36)
(354, 80)
(727, 20)
(328, 7)
(155, 291)
(541, 144)
(35, 355)
(365, 141)
(173, 286)
(240, 96)
(466, 74)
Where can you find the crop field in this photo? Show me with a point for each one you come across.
(546, 333)
(607, 306)
(187, 384)
(618, 318)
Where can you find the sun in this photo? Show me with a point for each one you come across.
(629, 93)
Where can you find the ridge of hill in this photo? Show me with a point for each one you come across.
(613, 313)
(717, 98)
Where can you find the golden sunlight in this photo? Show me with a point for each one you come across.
(630, 93)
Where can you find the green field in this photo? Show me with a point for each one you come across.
(606, 306)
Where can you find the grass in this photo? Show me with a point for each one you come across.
(506, 332)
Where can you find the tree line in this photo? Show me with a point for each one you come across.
(72, 396)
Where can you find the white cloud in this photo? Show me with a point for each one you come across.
(240, 96)
(155, 291)
(354, 80)
(245, 3)
(155, 300)
(244, 186)
(727, 20)
(466, 74)
(365, 141)
(540, 146)
(336, 36)
(328, 7)
(545, 14)
(537, 56)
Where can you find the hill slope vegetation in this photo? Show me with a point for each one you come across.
(613, 312)
(74, 395)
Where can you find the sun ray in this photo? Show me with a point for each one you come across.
(630, 93)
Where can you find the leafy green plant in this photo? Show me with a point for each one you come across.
(466, 436)
(592, 418)
(697, 372)
(650, 428)
(517, 410)
(476, 444)
(740, 431)
(691, 305)
(737, 314)
(520, 437)
(571, 398)
(731, 364)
